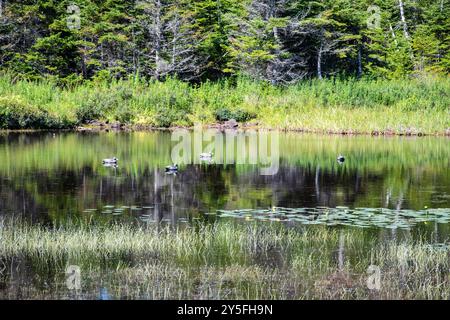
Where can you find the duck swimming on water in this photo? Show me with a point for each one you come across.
(172, 169)
(341, 159)
(206, 155)
(110, 161)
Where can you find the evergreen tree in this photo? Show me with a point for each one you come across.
(280, 41)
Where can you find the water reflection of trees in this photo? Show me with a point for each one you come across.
(202, 189)
(58, 176)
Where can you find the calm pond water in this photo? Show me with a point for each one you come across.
(53, 177)
(394, 186)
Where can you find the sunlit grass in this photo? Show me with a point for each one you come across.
(406, 106)
(226, 261)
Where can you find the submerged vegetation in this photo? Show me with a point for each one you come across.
(416, 106)
(224, 260)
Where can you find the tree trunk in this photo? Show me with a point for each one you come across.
(83, 62)
(135, 59)
(319, 62)
(158, 39)
(360, 71)
(102, 55)
(403, 19)
(393, 33)
(174, 50)
(176, 33)
(405, 31)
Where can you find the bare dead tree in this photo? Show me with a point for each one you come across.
(279, 65)
(181, 51)
(325, 43)
(405, 30)
(403, 20)
(168, 47)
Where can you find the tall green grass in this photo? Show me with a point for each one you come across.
(224, 261)
(408, 106)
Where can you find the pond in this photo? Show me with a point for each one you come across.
(48, 177)
(385, 184)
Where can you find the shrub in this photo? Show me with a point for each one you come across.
(171, 108)
(124, 115)
(15, 113)
(88, 111)
(94, 108)
(238, 115)
(113, 103)
(167, 117)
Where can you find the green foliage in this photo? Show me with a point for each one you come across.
(166, 118)
(278, 41)
(15, 113)
(103, 103)
(418, 105)
(93, 109)
(124, 115)
(238, 115)
(214, 24)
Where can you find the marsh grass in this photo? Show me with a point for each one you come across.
(220, 261)
(406, 106)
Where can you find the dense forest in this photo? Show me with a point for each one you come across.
(329, 66)
(279, 41)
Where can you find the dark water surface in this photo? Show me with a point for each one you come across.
(52, 177)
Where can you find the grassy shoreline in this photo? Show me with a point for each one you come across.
(225, 261)
(245, 127)
(221, 127)
(377, 107)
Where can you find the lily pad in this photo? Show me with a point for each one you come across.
(358, 217)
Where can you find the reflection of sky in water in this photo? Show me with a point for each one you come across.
(104, 295)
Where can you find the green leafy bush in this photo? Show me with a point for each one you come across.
(95, 107)
(238, 115)
(166, 118)
(124, 115)
(15, 113)
(112, 103)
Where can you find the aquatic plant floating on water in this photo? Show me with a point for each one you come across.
(358, 217)
(117, 210)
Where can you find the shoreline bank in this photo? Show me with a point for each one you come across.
(243, 128)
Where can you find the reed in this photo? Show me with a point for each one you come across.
(223, 261)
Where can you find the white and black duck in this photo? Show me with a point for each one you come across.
(111, 161)
(172, 168)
